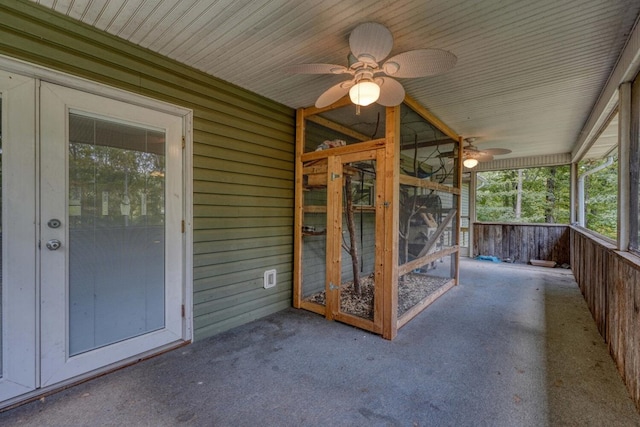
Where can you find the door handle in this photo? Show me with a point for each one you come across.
(53, 244)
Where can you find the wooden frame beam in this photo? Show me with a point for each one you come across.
(436, 235)
(341, 151)
(430, 117)
(417, 309)
(429, 185)
(412, 145)
(408, 267)
(338, 128)
(342, 102)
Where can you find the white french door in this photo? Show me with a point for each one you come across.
(111, 213)
(93, 249)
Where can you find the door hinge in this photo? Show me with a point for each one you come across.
(333, 287)
(183, 311)
(183, 226)
(334, 176)
(184, 142)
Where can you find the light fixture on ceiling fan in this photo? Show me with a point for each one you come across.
(365, 91)
(472, 156)
(470, 163)
(370, 43)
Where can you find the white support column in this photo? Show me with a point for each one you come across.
(624, 155)
(573, 194)
(473, 183)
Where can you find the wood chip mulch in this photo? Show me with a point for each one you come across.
(412, 288)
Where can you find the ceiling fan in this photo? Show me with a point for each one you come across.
(371, 79)
(471, 155)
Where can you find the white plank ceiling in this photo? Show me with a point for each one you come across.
(527, 77)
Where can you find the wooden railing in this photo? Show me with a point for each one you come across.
(610, 283)
(522, 242)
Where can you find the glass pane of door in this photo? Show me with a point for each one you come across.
(116, 231)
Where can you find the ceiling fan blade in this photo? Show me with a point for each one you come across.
(391, 92)
(496, 151)
(420, 63)
(316, 69)
(333, 94)
(371, 39)
(483, 157)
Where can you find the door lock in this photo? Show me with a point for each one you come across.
(53, 244)
(54, 223)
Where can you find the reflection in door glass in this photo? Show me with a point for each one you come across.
(116, 216)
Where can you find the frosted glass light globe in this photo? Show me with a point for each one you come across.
(470, 163)
(364, 93)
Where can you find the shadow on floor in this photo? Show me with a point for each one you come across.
(511, 346)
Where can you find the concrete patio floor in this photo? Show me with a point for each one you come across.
(511, 346)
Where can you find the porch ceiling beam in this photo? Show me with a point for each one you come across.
(525, 162)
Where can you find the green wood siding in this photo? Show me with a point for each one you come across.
(243, 159)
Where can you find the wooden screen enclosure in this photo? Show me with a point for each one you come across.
(377, 213)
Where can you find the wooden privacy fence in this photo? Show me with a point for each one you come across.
(522, 242)
(610, 283)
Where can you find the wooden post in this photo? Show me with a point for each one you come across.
(334, 235)
(391, 221)
(455, 266)
(380, 248)
(299, 212)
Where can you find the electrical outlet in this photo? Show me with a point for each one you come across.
(269, 279)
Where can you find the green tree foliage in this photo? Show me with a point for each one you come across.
(601, 197)
(544, 195)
